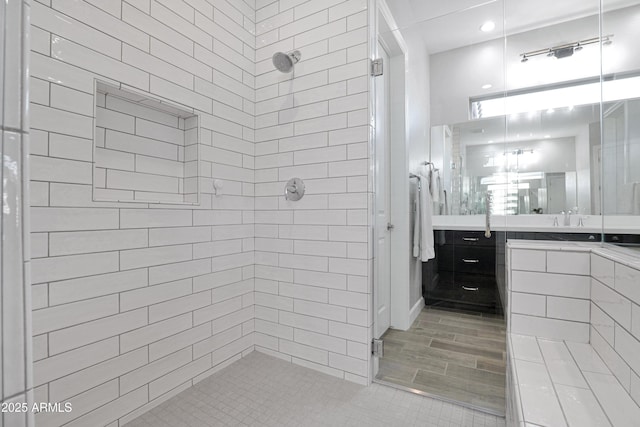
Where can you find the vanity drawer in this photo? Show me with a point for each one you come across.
(445, 258)
(476, 260)
(473, 238)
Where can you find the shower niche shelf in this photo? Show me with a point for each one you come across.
(144, 149)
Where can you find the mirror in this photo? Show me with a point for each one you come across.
(621, 158)
(517, 110)
(527, 174)
(145, 150)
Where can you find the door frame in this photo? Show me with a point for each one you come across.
(382, 200)
(396, 47)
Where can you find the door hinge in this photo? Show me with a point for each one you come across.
(377, 67)
(390, 226)
(377, 347)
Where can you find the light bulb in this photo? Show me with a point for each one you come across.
(488, 26)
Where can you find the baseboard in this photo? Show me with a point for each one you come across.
(415, 310)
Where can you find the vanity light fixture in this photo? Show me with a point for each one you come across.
(566, 50)
(488, 26)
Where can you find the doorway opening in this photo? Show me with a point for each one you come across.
(441, 338)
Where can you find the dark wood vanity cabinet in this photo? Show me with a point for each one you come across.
(469, 270)
(463, 274)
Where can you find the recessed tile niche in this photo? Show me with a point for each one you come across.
(145, 150)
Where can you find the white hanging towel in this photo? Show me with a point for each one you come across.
(635, 199)
(423, 238)
(416, 223)
(435, 187)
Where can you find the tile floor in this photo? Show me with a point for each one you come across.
(260, 390)
(456, 355)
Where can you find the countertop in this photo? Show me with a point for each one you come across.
(540, 223)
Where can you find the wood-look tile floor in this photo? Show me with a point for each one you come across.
(460, 356)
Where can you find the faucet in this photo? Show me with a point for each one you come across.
(487, 226)
(567, 219)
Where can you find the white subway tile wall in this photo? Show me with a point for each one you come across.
(15, 305)
(313, 256)
(135, 302)
(615, 310)
(599, 292)
(549, 293)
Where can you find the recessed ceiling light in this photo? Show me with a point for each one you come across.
(487, 86)
(547, 136)
(488, 26)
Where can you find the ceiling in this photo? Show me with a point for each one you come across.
(446, 25)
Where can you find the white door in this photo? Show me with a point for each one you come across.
(382, 277)
(556, 193)
(596, 167)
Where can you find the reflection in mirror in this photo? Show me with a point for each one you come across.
(621, 158)
(530, 173)
(523, 119)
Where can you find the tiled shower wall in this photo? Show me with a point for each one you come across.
(15, 314)
(135, 302)
(615, 316)
(313, 259)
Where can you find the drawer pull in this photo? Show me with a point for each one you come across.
(467, 288)
(470, 239)
(471, 261)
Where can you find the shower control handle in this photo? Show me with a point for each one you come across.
(470, 261)
(294, 189)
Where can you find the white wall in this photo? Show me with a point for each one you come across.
(15, 305)
(418, 112)
(134, 302)
(458, 74)
(313, 256)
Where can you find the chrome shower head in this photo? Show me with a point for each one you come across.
(284, 62)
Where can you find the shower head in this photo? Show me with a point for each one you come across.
(285, 61)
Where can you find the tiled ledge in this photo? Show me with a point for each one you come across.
(550, 245)
(592, 370)
(557, 383)
(622, 255)
(549, 289)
